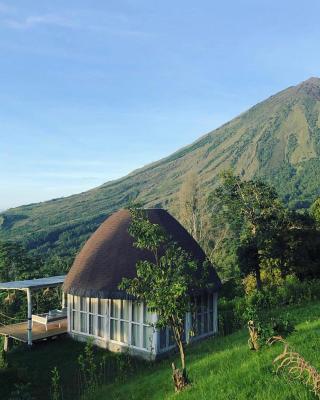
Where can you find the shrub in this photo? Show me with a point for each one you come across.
(88, 370)
(234, 314)
(21, 392)
(230, 315)
(56, 389)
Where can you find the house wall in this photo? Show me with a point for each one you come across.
(117, 325)
(122, 325)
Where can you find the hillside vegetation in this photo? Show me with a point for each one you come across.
(221, 368)
(225, 369)
(278, 140)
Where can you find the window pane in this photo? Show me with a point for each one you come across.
(114, 334)
(92, 305)
(136, 314)
(205, 323)
(210, 302)
(198, 300)
(124, 331)
(75, 302)
(163, 338)
(83, 303)
(102, 306)
(75, 320)
(204, 303)
(91, 323)
(147, 337)
(100, 331)
(135, 335)
(210, 322)
(83, 322)
(147, 315)
(99, 305)
(115, 305)
(199, 324)
(171, 338)
(124, 310)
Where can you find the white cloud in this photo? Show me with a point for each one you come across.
(36, 20)
(116, 25)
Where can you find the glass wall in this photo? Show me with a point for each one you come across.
(200, 323)
(203, 314)
(122, 321)
(130, 323)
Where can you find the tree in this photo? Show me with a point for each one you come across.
(166, 282)
(193, 211)
(15, 263)
(315, 211)
(254, 217)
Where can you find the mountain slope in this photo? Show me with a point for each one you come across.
(278, 140)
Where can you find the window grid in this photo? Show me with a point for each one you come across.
(126, 322)
(203, 318)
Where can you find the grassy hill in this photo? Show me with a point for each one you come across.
(225, 369)
(278, 140)
(221, 368)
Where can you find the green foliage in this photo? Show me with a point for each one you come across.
(254, 218)
(3, 358)
(88, 370)
(36, 367)
(315, 211)
(22, 391)
(234, 314)
(165, 283)
(266, 322)
(15, 263)
(124, 365)
(56, 389)
(221, 368)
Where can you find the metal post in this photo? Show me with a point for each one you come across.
(63, 300)
(29, 317)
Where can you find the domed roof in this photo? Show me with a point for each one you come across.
(109, 255)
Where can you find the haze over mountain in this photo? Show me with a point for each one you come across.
(277, 140)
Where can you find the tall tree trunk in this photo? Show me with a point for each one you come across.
(179, 376)
(182, 358)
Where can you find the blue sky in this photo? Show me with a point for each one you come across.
(90, 90)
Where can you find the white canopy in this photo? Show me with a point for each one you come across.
(52, 281)
(28, 286)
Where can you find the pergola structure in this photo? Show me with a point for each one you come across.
(31, 285)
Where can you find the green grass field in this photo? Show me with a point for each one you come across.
(220, 368)
(224, 368)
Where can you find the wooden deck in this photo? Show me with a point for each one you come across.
(19, 331)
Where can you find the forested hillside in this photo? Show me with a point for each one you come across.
(278, 140)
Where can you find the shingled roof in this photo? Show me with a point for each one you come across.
(109, 255)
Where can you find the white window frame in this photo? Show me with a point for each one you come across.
(94, 313)
(105, 314)
(201, 310)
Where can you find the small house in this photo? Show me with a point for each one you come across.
(115, 321)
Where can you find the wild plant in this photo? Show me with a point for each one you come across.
(124, 365)
(296, 366)
(56, 388)
(3, 359)
(22, 391)
(88, 373)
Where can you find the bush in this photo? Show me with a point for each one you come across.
(230, 316)
(234, 314)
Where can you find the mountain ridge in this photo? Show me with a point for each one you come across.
(278, 140)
